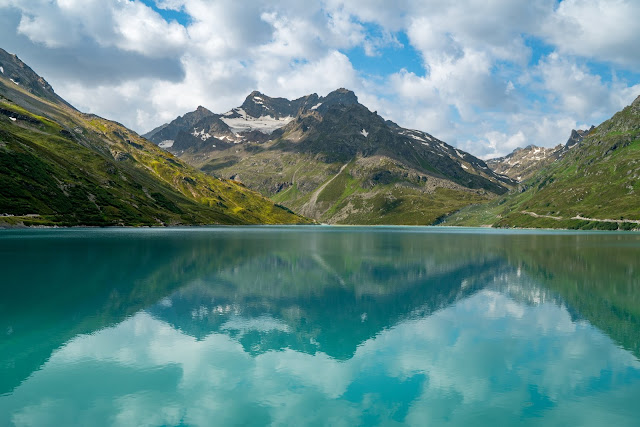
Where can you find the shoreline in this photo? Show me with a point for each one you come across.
(5, 226)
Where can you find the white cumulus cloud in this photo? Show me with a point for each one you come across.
(490, 75)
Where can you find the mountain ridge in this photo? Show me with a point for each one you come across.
(20, 74)
(288, 158)
(522, 163)
(63, 167)
(596, 185)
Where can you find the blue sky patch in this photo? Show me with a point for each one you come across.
(180, 17)
(389, 59)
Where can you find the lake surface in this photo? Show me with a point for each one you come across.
(319, 326)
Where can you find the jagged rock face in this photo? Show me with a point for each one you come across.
(523, 163)
(576, 137)
(169, 131)
(259, 105)
(20, 74)
(199, 136)
(336, 128)
(332, 158)
(337, 97)
(345, 132)
(258, 113)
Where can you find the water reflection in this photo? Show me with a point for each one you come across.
(328, 326)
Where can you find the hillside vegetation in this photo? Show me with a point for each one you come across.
(61, 167)
(332, 159)
(595, 185)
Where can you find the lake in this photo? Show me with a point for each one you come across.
(319, 325)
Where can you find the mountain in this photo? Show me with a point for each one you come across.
(596, 184)
(523, 163)
(59, 166)
(166, 133)
(332, 159)
(20, 74)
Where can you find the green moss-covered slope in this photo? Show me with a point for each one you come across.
(364, 190)
(61, 167)
(594, 186)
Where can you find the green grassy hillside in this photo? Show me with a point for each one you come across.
(365, 190)
(332, 159)
(346, 165)
(596, 185)
(62, 167)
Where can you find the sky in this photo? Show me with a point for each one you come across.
(487, 76)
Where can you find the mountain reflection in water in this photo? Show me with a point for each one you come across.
(290, 325)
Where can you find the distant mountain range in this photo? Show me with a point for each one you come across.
(327, 158)
(594, 184)
(523, 163)
(59, 166)
(332, 159)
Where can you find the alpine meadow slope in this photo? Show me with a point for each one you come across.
(523, 163)
(59, 166)
(595, 185)
(332, 159)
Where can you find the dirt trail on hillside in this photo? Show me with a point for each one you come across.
(559, 218)
(309, 207)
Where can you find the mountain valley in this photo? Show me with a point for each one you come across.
(312, 159)
(594, 185)
(332, 159)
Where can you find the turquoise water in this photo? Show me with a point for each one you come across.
(319, 326)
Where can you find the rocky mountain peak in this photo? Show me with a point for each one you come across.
(258, 105)
(577, 136)
(169, 131)
(341, 96)
(255, 96)
(523, 163)
(343, 91)
(19, 73)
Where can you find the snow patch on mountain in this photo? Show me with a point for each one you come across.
(1, 70)
(228, 138)
(201, 133)
(424, 141)
(315, 107)
(364, 133)
(246, 123)
(415, 134)
(167, 143)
